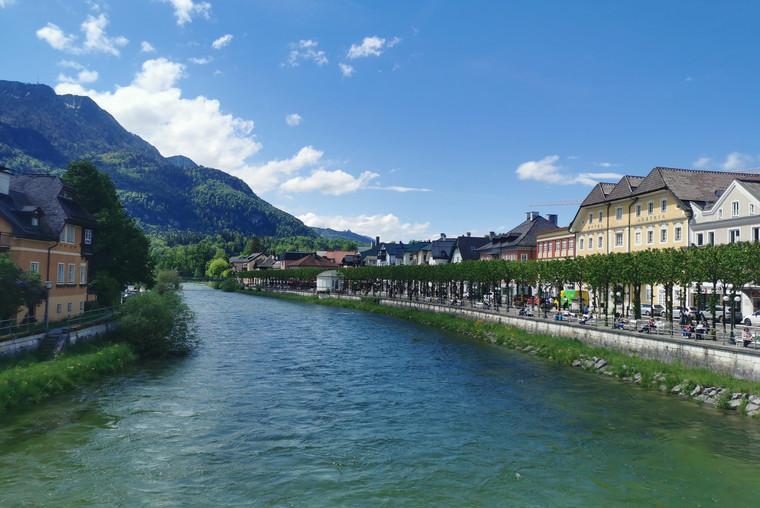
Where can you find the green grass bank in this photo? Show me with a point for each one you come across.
(28, 381)
(701, 385)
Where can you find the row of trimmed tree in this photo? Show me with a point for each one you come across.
(724, 268)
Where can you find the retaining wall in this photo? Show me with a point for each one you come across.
(32, 342)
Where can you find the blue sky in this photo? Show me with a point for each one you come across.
(413, 118)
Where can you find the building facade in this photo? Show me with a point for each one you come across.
(559, 244)
(45, 231)
(519, 244)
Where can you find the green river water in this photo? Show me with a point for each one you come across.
(289, 404)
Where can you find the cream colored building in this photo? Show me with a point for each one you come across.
(734, 217)
(650, 212)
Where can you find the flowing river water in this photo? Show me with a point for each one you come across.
(289, 404)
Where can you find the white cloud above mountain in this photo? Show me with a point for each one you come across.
(153, 106)
(346, 70)
(331, 182)
(96, 40)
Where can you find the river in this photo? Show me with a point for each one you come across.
(289, 404)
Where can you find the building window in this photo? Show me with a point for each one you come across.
(72, 273)
(734, 209)
(638, 210)
(677, 233)
(35, 221)
(733, 235)
(752, 208)
(619, 213)
(81, 306)
(580, 243)
(88, 236)
(83, 274)
(564, 244)
(570, 244)
(601, 215)
(59, 308)
(591, 218)
(663, 235)
(599, 241)
(523, 257)
(664, 205)
(650, 236)
(649, 294)
(637, 237)
(618, 239)
(720, 213)
(756, 235)
(61, 275)
(34, 267)
(68, 234)
(711, 238)
(650, 208)
(69, 307)
(700, 239)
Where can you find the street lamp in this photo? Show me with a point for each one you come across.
(734, 302)
(726, 299)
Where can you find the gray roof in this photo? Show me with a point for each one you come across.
(442, 249)
(49, 199)
(468, 246)
(753, 188)
(524, 235)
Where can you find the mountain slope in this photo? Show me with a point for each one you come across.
(41, 132)
(345, 235)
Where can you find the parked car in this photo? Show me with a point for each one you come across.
(691, 312)
(753, 319)
(652, 310)
(719, 314)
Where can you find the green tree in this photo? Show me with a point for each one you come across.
(167, 280)
(217, 268)
(120, 248)
(11, 296)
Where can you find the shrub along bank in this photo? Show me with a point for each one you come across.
(702, 385)
(154, 325)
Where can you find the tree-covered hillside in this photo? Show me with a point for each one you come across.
(42, 132)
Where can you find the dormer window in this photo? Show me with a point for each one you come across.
(88, 236)
(68, 234)
(35, 221)
(66, 194)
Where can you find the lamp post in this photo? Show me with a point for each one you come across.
(735, 301)
(726, 299)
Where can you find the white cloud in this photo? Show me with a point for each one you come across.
(548, 170)
(152, 106)
(401, 188)
(95, 38)
(53, 35)
(734, 161)
(83, 76)
(387, 226)
(606, 164)
(267, 177)
(346, 70)
(371, 46)
(334, 183)
(200, 61)
(185, 10)
(222, 41)
(306, 50)
(146, 47)
(6, 3)
(293, 119)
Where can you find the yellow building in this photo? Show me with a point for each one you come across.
(649, 212)
(45, 231)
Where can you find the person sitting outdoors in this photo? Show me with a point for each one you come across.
(746, 337)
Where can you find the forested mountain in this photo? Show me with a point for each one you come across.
(345, 235)
(42, 132)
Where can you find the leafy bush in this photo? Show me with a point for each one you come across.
(167, 280)
(33, 382)
(229, 285)
(158, 325)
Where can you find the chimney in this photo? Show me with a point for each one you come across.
(531, 215)
(377, 241)
(491, 234)
(5, 180)
(443, 236)
(469, 234)
(553, 218)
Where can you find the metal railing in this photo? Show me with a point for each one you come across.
(10, 328)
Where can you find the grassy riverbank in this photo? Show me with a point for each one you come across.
(29, 382)
(652, 374)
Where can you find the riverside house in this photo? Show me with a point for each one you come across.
(466, 248)
(44, 230)
(733, 217)
(519, 244)
(558, 244)
(650, 212)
